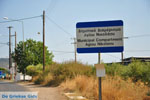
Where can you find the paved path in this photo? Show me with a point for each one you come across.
(44, 93)
(11, 86)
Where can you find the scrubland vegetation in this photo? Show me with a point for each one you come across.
(122, 82)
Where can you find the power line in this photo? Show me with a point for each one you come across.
(21, 19)
(129, 51)
(137, 51)
(3, 36)
(63, 54)
(59, 26)
(6, 44)
(113, 56)
(51, 6)
(107, 54)
(62, 43)
(138, 36)
(62, 51)
(2, 45)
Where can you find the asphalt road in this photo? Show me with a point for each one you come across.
(44, 93)
(11, 86)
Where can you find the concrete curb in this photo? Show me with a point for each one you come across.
(74, 96)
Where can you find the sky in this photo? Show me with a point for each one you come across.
(61, 19)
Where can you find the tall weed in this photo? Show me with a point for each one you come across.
(113, 88)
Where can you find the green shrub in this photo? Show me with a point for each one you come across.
(70, 70)
(4, 70)
(136, 71)
(56, 73)
(115, 69)
(61, 72)
(34, 70)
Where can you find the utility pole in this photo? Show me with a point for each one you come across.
(10, 61)
(43, 41)
(75, 49)
(23, 33)
(14, 68)
(15, 53)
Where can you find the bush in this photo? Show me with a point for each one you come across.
(139, 71)
(56, 73)
(148, 93)
(136, 71)
(34, 70)
(70, 70)
(115, 69)
(39, 79)
(4, 70)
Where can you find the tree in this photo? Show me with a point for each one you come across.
(31, 55)
(4, 70)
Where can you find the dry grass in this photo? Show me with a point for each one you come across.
(113, 88)
(82, 84)
(47, 79)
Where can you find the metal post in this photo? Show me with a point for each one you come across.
(10, 62)
(75, 51)
(75, 54)
(122, 57)
(43, 40)
(99, 58)
(99, 79)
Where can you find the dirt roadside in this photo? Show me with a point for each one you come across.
(45, 93)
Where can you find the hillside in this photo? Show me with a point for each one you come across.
(4, 62)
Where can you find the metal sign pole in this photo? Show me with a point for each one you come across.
(99, 79)
(100, 89)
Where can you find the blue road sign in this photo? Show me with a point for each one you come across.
(100, 36)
